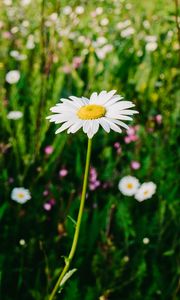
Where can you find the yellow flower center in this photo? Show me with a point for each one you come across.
(20, 195)
(129, 185)
(145, 193)
(91, 111)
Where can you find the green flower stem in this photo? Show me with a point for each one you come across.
(78, 224)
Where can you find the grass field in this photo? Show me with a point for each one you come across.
(127, 249)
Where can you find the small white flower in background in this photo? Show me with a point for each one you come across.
(18, 56)
(1, 24)
(22, 57)
(48, 23)
(127, 32)
(104, 22)
(7, 2)
(151, 38)
(128, 185)
(122, 25)
(25, 2)
(30, 42)
(106, 109)
(22, 242)
(13, 76)
(67, 10)
(79, 10)
(53, 17)
(146, 191)
(20, 195)
(81, 39)
(128, 6)
(25, 23)
(14, 29)
(102, 52)
(99, 10)
(14, 53)
(151, 46)
(146, 241)
(146, 24)
(126, 258)
(100, 41)
(139, 53)
(170, 33)
(14, 115)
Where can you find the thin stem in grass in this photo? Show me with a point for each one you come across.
(43, 79)
(177, 24)
(78, 224)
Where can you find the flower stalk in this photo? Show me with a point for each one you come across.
(78, 224)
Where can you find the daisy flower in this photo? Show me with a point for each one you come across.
(20, 195)
(105, 109)
(128, 185)
(146, 190)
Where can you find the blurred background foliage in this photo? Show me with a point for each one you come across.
(74, 48)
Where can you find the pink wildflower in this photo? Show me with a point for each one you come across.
(158, 119)
(63, 172)
(135, 165)
(47, 206)
(48, 150)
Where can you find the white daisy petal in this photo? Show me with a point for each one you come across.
(75, 127)
(105, 125)
(123, 105)
(114, 127)
(89, 130)
(65, 101)
(110, 94)
(122, 124)
(86, 126)
(113, 100)
(93, 128)
(102, 94)
(77, 102)
(126, 118)
(67, 104)
(107, 97)
(85, 100)
(58, 118)
(128, 112)
(93, 98)
(64, 126)
(58, 109)
(118, 116)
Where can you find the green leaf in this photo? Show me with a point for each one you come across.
(168, 253)
(72, 220)
(67, 276)
(3, 209)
